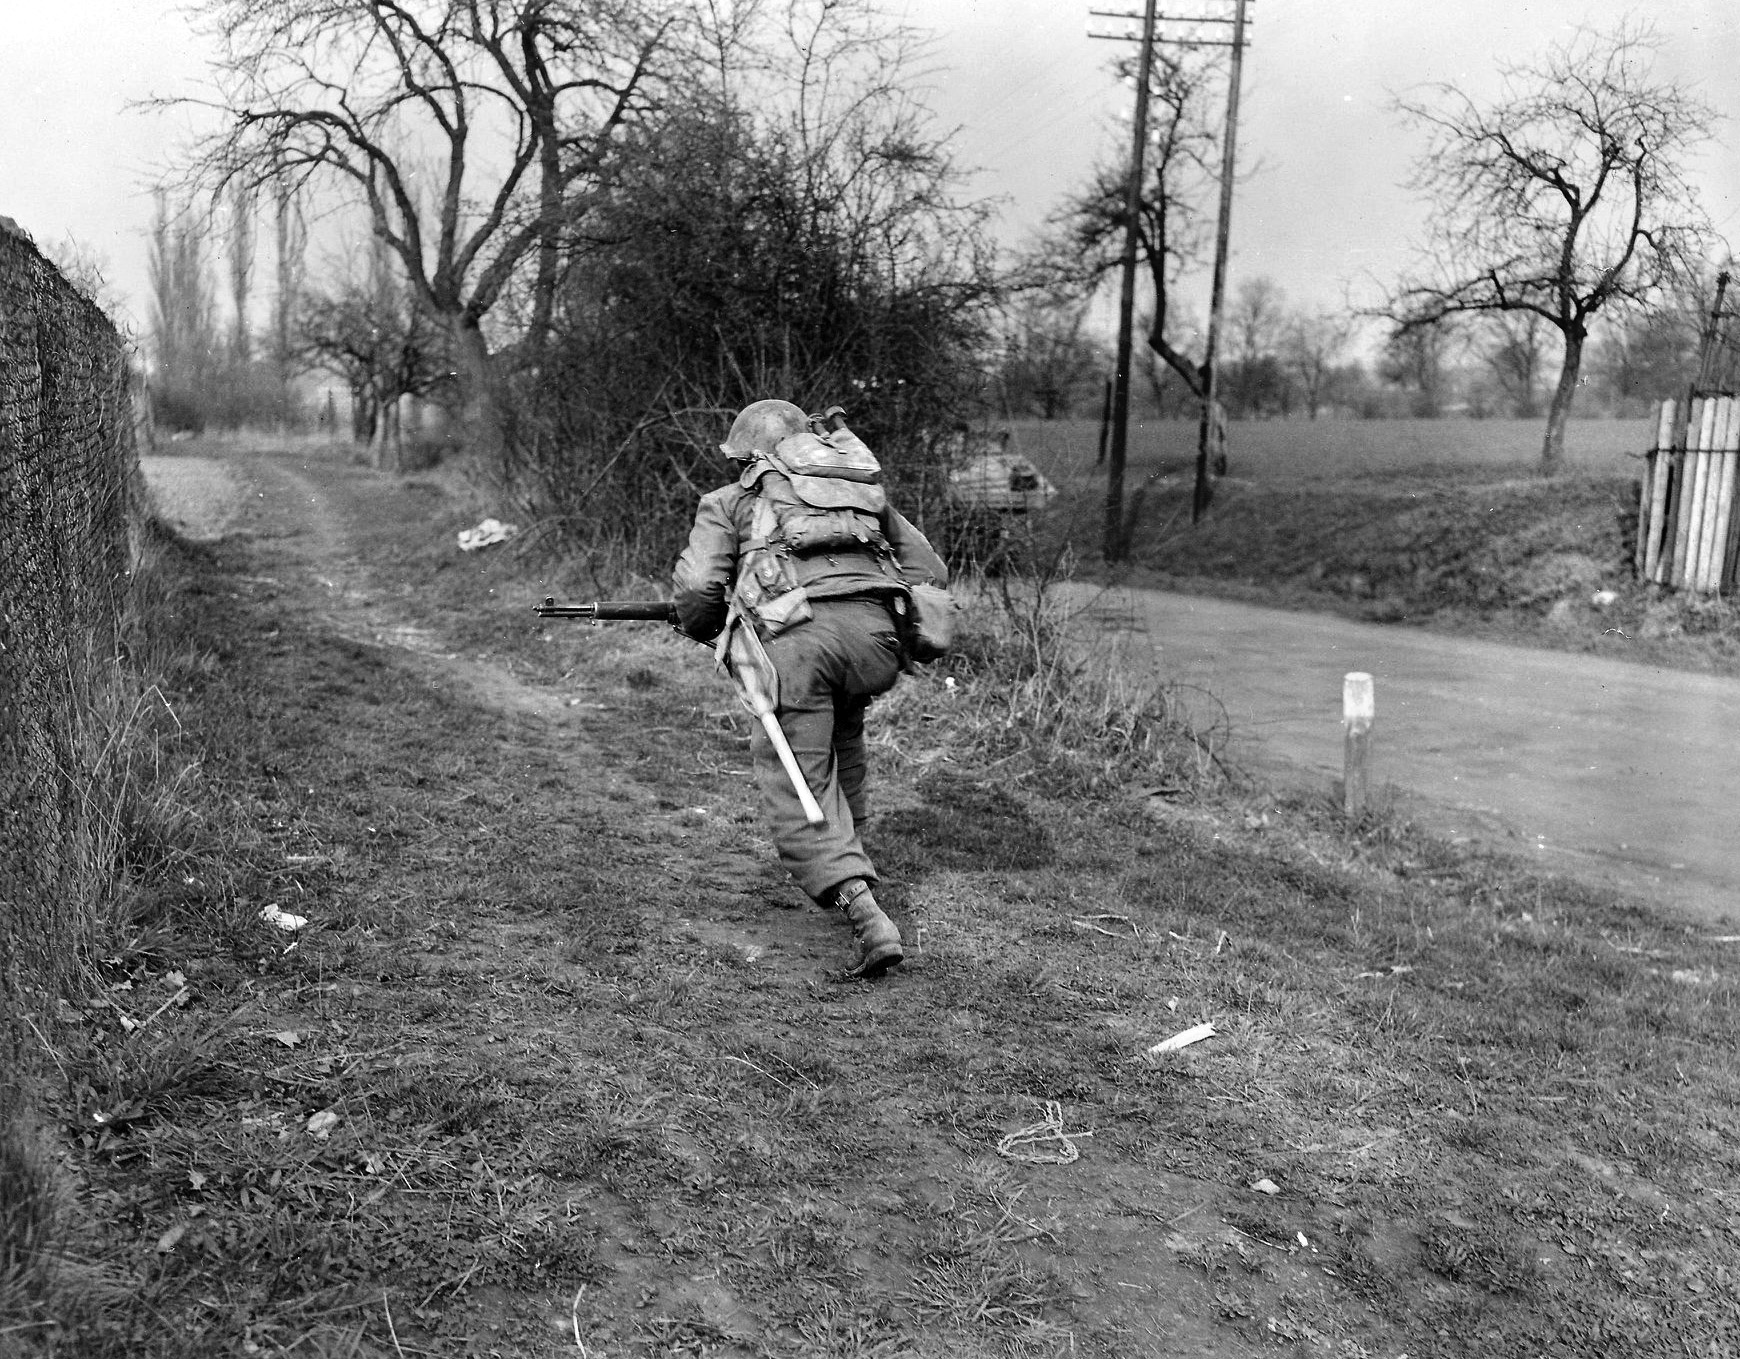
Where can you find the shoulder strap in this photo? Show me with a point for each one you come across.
(763, 525)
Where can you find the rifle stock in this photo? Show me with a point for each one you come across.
(758, 687)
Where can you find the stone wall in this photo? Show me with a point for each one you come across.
(68, 501)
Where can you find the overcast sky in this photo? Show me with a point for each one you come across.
(1325, 215)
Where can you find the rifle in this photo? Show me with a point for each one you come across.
(611, 610)
(744, 656)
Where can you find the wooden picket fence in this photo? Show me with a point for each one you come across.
(1688, 529)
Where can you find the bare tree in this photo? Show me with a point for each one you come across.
(1415, 358)
(1173, 228)
(1565, 198)
(1047, 363)
(290, 242)
(1256, 317)
(370, 333)
(1173, 398)
(1312, 344)
(506, 110)
(1514, 353)
(241, 262)
(1257, 382)
(1649, 355)
(183, 329)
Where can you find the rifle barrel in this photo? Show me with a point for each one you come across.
(612, 610)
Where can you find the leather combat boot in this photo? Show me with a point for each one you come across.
(877, 938)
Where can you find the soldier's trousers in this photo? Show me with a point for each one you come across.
(829, 670)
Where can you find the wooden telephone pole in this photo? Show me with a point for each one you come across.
(1117, 545)
(1209, 431)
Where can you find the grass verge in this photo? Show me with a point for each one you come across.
(84, 802)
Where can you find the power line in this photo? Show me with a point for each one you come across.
(1160, 18)
(1131, 35)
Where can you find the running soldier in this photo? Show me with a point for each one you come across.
(803, 547)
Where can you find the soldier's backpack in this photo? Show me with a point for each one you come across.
(818, 492)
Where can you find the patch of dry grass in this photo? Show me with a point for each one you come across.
(1029, 694)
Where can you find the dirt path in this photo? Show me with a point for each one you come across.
(327, 516)
(1619, 773)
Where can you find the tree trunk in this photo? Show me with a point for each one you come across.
(549, 218)
(1553, 445)
(384, 447)
(482, 416)
(362, 414)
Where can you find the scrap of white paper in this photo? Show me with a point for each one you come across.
(1183, 1040)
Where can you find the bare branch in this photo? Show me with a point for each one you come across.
(1527, 209)
(470, 131)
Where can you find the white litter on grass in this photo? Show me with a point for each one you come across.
(272, 915)
(320, 1125)
(1183, 1040)
(1266, 1186)
(487, 532)
(1088, 923)
(1020, 1145)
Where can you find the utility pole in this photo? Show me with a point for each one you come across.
(1210, 427)
(1117, 547)
(1117, 544)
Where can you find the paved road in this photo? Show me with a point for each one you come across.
(1622, 773)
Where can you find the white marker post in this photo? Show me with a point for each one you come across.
(1358, 710)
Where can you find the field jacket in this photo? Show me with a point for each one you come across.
(707, 570)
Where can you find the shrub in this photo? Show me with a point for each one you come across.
(1024, 688)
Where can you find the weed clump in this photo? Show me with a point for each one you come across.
(1028, 693)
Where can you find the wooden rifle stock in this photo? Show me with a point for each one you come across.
(758, 687)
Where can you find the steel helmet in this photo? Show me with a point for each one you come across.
(759, 427)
